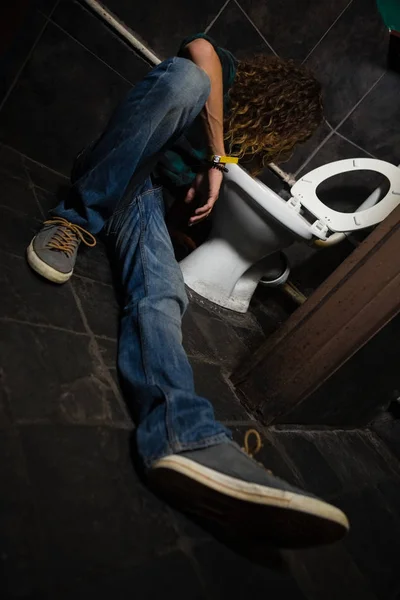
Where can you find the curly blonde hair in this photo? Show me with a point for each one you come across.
(274, 104)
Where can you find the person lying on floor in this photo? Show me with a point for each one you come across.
(175, 129)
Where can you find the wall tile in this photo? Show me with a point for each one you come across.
(350, 58)
(303, 151)
(232, 30)
(293, 27)
(63, 100)
(46, 6)
(19, 49)
(335, 148)
(375, 124)
(162, 28)
(99, 39)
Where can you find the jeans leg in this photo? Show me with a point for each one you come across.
(155, 373)
(153, 116)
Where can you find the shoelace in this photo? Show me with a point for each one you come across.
(258, 446)
(253, 451)
(67, 236)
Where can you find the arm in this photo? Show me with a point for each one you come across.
(204, 56)
(208, 184)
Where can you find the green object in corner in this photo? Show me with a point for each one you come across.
(390, 11)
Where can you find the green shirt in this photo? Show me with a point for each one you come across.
(179, 165)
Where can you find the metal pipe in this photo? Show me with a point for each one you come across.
(123, 30)
(286, 177)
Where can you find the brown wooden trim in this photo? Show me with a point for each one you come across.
(350, 307)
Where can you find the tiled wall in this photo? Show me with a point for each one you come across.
(65, 74)
(70, 70)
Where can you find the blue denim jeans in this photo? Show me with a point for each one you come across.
(114, 192)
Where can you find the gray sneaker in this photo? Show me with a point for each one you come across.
(52, 252)
(224, 484)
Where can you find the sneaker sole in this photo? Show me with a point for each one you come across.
(43, 268)
(285, 518)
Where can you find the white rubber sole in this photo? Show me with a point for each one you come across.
(43, 268)
(292, 519)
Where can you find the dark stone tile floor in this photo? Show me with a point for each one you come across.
(76, 521)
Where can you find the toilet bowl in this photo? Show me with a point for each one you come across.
(251, 222)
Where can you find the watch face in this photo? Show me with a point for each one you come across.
(217, 159)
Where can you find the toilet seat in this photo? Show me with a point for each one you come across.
(304, 193)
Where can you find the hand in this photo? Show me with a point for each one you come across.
(206, 188)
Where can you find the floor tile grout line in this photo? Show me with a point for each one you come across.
(28, 56)
(335, 130)
(255, 27)
(33, 189)
(219, 13)
(283, 453)
(328, 124)
(42, 325)
(2, 251)
(16, 211)
(357, 104)
(20, 422)
(202, 358)
(309, 429)
(313, 153)
(327, 31)
(98, 354)
(354, 144)
(105, 338)
(86, 278)
(25, 157)
(232, 423)
(90, 51)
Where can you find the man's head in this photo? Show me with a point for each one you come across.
(275, 104)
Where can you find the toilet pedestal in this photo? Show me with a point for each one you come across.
(231, 280)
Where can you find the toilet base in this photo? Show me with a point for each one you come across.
(239, 299)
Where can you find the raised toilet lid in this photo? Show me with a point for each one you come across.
(305, 191)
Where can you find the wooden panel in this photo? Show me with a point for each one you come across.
(351, 306)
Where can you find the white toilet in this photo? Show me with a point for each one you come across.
(250, 222)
